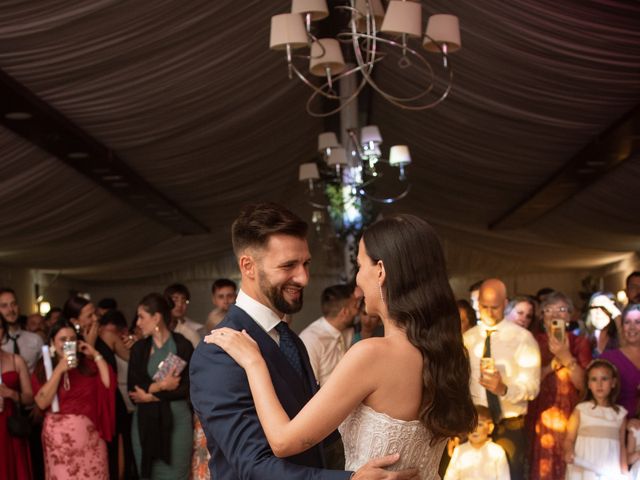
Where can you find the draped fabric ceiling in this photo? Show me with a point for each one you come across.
(188, 94)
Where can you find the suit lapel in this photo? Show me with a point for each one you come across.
(284, 377)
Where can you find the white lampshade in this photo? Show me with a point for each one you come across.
(376, 8)
(399, 155)
(288, 29)
(308, 171)
(338, 156)
(442, 29)
(317, 8)
(332, 58)
(370, 133)
(327, 140)
(403, 17)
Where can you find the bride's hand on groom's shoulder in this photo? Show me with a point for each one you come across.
(374, 470)
(238, 345)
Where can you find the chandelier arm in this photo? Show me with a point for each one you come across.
(385, 200)
(344, 101)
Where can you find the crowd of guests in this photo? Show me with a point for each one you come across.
(556, 389)
(86, 394)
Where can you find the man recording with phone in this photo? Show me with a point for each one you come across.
(505, 372)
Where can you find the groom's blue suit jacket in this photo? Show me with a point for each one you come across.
(222, 400)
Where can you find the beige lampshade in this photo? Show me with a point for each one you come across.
(338, 156)
(403, 17)
(443, 29)
(308, 171)
(317, 8)
(399, 155)
(288, 29)
(378, 13)
(332, 58)
(370, 133)
(327, 140)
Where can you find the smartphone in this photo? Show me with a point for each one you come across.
(487, 364)
(558, 328)
(69, 349)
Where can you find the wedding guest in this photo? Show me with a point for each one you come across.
(19, 341)
(35, 324)
(180, 323)
(627, 358)
(162, 423)
(522, 311)
(223, 295)
(468, 317)
(511, 380)
(564, 358)
(74, 436)
(15, 389)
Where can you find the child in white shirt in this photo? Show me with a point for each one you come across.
(479, 458)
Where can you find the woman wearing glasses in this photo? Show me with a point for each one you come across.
(564, 357)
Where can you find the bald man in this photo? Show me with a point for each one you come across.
(511, 379)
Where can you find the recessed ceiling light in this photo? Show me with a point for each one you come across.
(77, 155)
(17, 115)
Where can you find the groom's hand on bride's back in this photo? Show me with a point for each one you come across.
(375, 470)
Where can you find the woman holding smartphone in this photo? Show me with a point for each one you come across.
(77, 397)
(564, 357)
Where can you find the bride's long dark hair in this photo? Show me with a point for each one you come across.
(419, 299)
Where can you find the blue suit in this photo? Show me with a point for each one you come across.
(222, 400)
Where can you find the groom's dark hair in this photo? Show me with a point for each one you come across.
(259, 221)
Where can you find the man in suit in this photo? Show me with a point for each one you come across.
(271, 247)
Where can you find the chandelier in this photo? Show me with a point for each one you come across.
(373, 35)
(344, 179)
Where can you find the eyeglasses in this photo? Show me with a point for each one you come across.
(556, 310)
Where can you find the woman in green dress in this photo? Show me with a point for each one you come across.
(162, 423)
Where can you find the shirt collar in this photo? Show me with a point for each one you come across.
(261, 314)
(494, 328)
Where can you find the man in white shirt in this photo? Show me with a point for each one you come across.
(514, 378)
(27, 344)
(328, 338)
(180, 323)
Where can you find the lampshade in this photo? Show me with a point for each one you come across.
(442, 29)
(288, 29)
(338, 156)
(399, 155)
(317, 8)
(370, 133)
(403, 17)
(332, 58)
(327, 140)
(308, 171)
(377, 9)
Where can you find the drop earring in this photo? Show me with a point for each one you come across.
(157, 328)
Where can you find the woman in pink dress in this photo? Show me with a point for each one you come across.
(15, 463)
(74, 436)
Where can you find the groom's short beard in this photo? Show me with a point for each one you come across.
(275, 296)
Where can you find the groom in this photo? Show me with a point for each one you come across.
(271, 247)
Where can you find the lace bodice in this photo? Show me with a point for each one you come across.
(368, 434)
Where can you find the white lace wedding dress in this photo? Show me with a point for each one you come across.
(368, 434)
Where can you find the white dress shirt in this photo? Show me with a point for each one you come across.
(187, 332)
(261, 314)
(489, 462)
(517, 358)
(30, 345)
(326, 346)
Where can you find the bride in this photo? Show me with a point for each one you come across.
(406, 392)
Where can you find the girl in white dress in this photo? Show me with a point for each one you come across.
(594, 445)
(404, 393)
(633, 447)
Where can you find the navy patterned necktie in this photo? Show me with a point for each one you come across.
(289, 348)
(493, 402)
